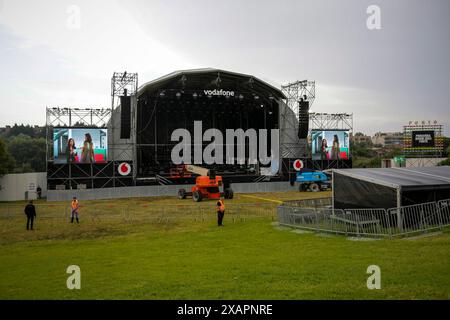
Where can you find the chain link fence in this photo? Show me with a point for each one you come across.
(318, 215)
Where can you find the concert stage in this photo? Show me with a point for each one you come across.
(134, 139)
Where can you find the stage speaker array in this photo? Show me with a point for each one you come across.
(125, 117)
(303, 118)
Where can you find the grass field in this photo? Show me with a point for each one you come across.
(153, 249)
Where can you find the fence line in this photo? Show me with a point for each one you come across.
(309, 203)
(147, 213)
(311, 214)
(394, 222)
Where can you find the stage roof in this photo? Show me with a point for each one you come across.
(403, 178)
(196, 76)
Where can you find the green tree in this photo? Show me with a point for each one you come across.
(21, 129)
(363, 150)
(29, 153)
(446, 152)
(34, 132)
(394, 152)
(7, 162)
(447, 146)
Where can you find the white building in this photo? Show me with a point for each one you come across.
(22, 186)
(388, 139)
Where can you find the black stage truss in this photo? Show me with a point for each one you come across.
(220, 99)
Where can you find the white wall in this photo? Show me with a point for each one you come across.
(423, 162)
(14, 186)
(154, 191)
(414, 162)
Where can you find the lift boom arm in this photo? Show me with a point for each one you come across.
(197, 170)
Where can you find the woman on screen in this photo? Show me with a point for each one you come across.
(335, 149)
(71, 151)
(87, 155)
(323, 149)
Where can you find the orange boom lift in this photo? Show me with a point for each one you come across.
(207, 185)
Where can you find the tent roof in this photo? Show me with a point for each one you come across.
(404, 178)
(203, 71)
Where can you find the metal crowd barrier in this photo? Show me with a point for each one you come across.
(142, 212)
(312, 214)
(417, 218)
(309, 203)
(394, 222)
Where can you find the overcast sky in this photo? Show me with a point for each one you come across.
(52, 56)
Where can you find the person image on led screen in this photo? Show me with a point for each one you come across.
(71, 151)
(87, 154)
(323, 149)
(80, 145)
(329, 145)
(335, 149)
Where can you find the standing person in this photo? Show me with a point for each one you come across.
(39, 192)
(335, 149)
(220, 211)
(87, 155)
(30, 212)
(75, 205)
(71, 151)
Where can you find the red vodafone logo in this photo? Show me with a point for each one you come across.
(298, 164)
(124, 169)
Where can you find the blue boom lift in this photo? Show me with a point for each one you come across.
(310, 180)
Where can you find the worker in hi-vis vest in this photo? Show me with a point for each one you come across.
(75, 206)
(220, 211)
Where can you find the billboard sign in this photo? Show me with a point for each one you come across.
(80, 145)
(330, 144)
(422, 138)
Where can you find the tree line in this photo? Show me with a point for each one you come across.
(22, 149)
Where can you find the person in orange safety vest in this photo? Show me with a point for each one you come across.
(220, 211)
(74, 205)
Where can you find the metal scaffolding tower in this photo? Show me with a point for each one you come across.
(295, 91)
(299, 89)
(331, 121)
(434, 150)
(123, 84)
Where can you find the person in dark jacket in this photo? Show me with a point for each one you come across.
(30, 212)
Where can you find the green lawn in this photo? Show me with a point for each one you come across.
(151, 249)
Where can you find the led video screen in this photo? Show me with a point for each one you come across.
(80, 145)
(423, 138)
(330, 145)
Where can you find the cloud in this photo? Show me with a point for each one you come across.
(108, 38)
(385, 78)
(54, 64)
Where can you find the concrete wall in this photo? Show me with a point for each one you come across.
(423, 162)
(413, 162)
(153, 191)
(13, 187)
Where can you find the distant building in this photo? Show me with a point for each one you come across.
(388, 139)
(5, 130)
(360, 138)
